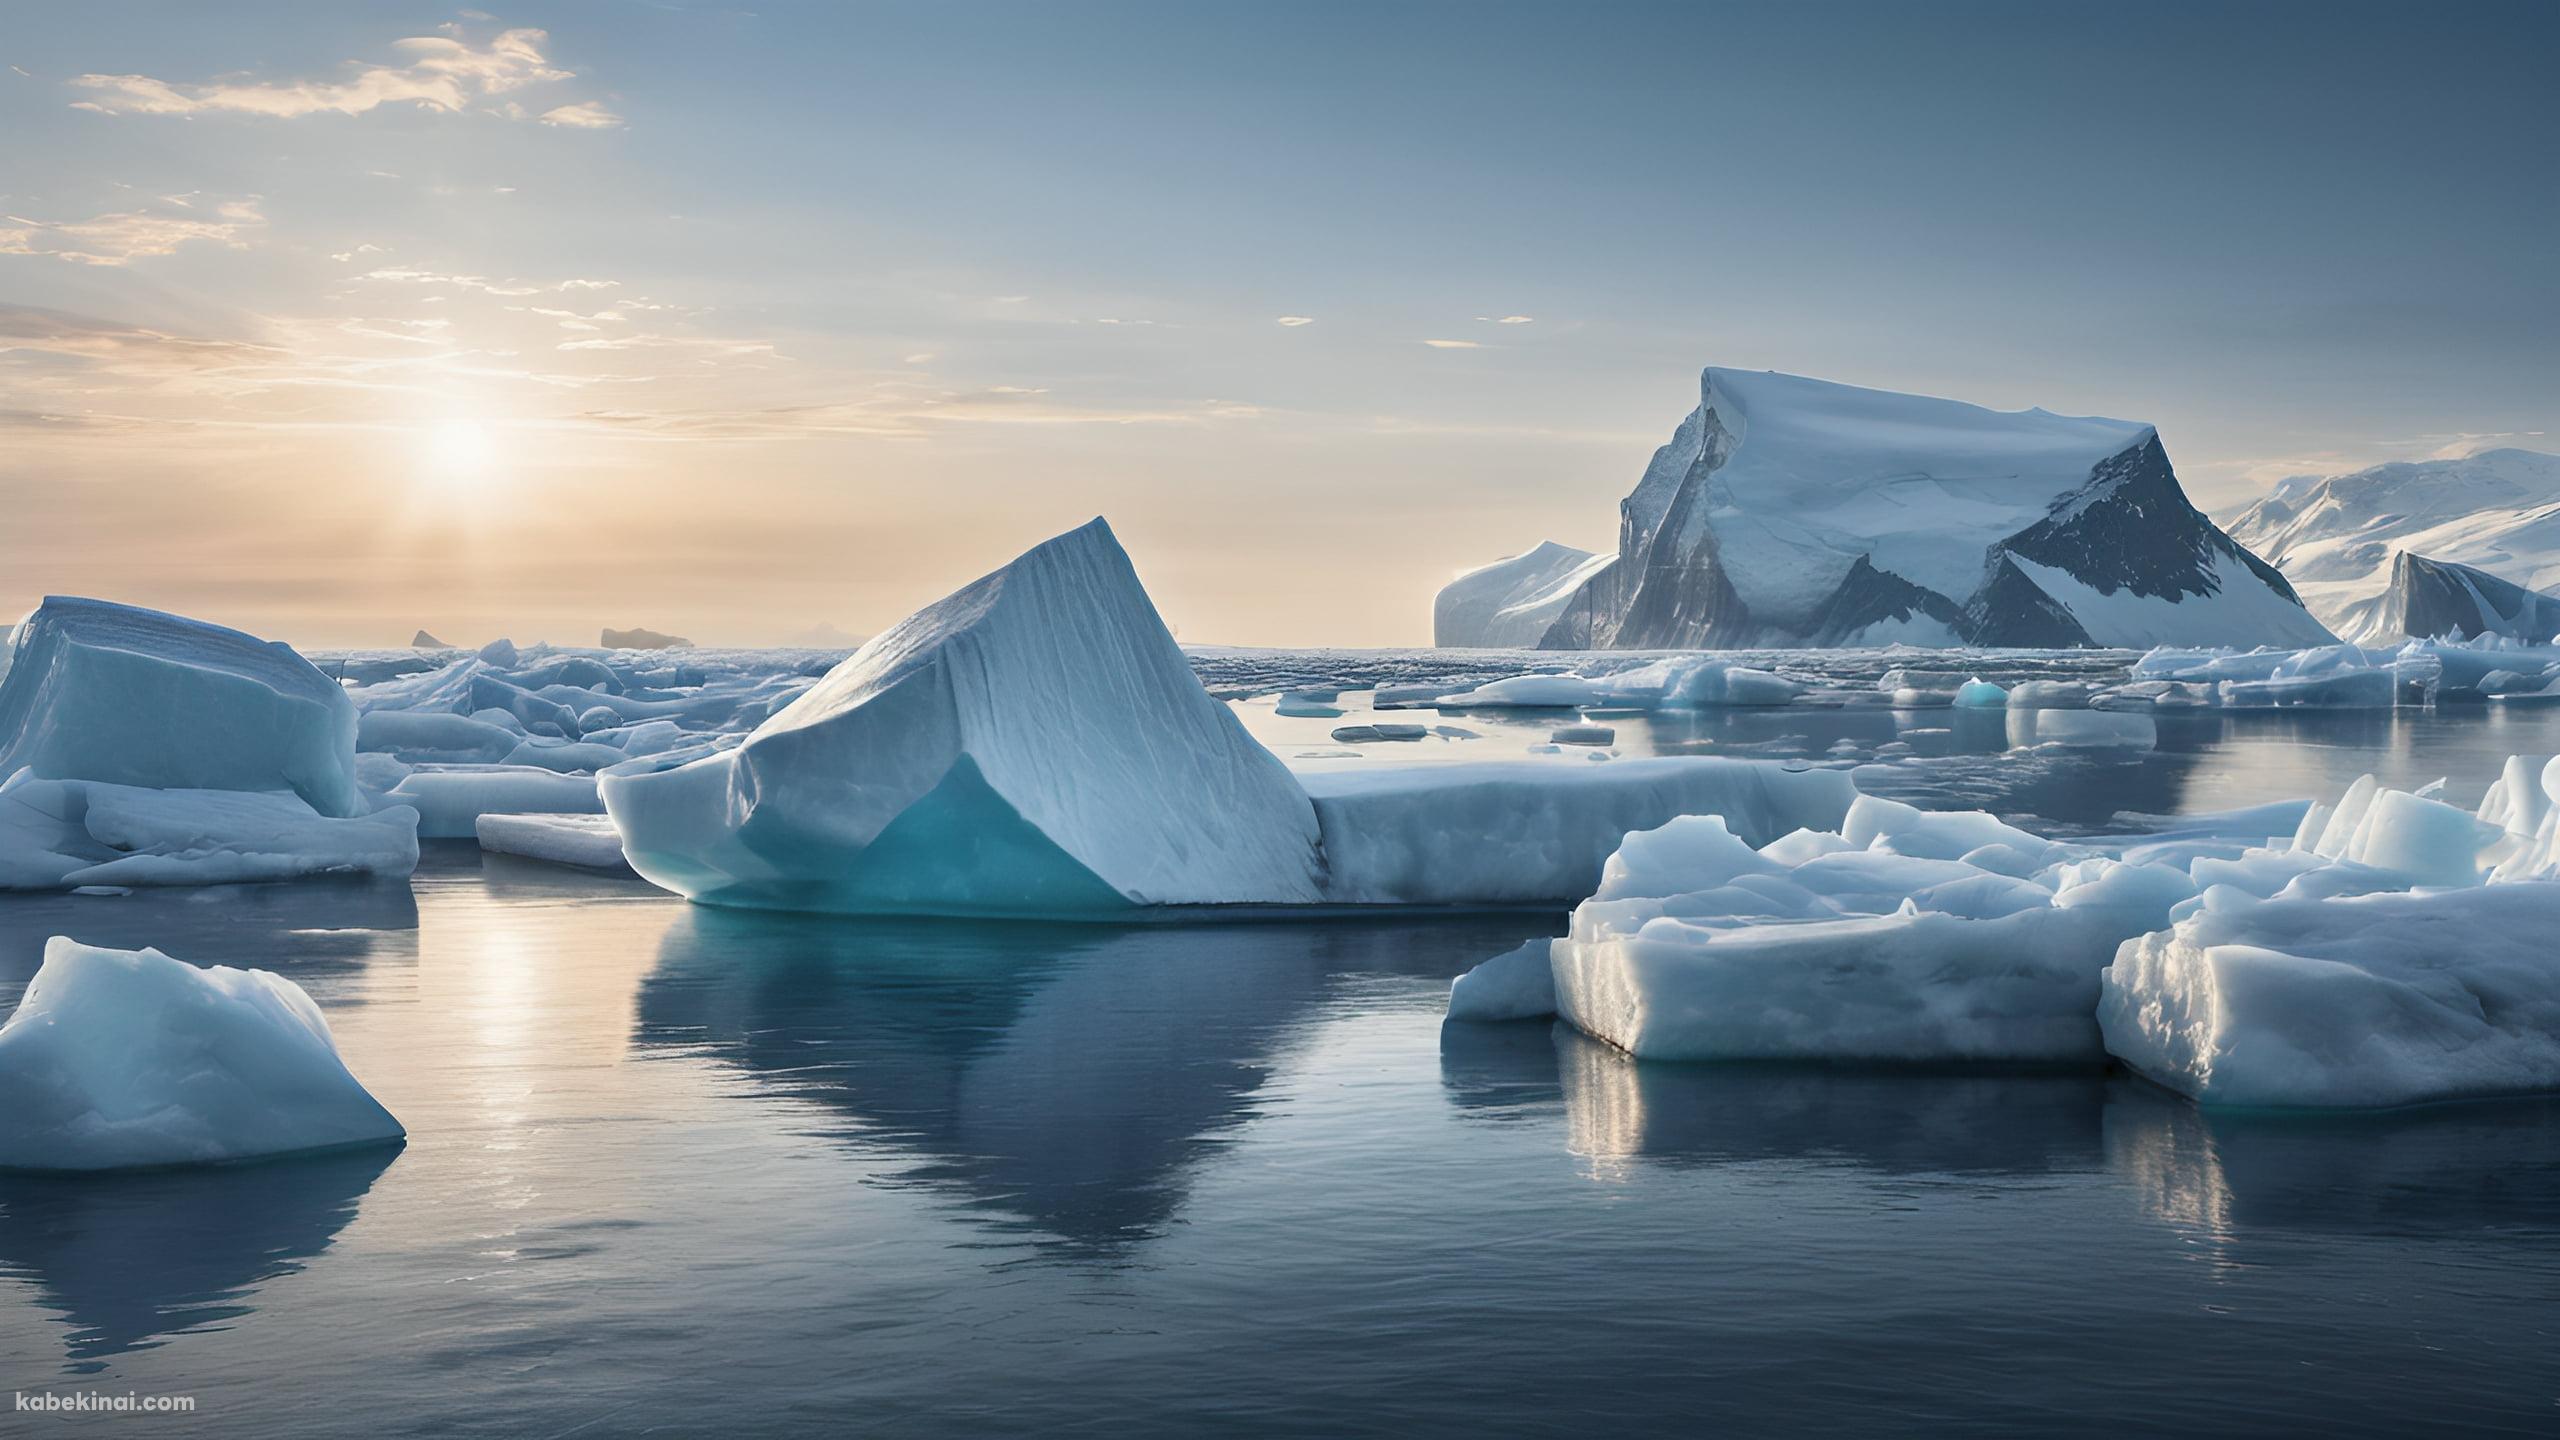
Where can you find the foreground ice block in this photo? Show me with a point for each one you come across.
(1905, 936)
(1032, 743)
(2368, 1000)
(100, 691)
(122, 1058)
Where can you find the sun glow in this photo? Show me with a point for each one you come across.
(461, 449)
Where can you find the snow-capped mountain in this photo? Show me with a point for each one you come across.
(2428, 598)
(1512, 601)
(1791, 511)
(2335, 538)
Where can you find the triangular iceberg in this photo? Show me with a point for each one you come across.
(1033, 743)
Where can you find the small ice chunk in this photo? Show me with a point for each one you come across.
(588, 842)
(450, 801)
(1980, 695)
(1515, 985)
(123, 1058)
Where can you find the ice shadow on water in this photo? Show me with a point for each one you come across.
(1900, 1121)
(129, 1258)
(316, 933)
(2436, 1170)
(1066, 1080)
(2441, 1170)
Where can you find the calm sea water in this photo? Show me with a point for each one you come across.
(682, 1171)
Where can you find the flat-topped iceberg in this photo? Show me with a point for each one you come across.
(1793, 511)
(1533, 831)
(100, 691)
(123, 1058)
(1032, 743)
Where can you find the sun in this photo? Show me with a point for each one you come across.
(461, 449)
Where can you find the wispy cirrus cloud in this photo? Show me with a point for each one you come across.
(447, 72)
(128, 235)
(1453, 344)
(1508, 319)
(584, 115)
(1294, 321)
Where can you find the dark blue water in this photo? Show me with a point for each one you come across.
(681, 1171)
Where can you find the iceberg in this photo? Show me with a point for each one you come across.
(1530, 831)
(115, 693)
(2428, 598)
(1032, 743)
(63, 834)
(1511, 602)
(637, 638)
(586, 842)
(1901, 936)
(123, 1058)
(1788, 511)
(2346, 1001)
(450, 801)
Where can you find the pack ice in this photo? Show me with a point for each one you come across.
(2394, 949)
(121, 1058)
(144, 748)
(1034, 742)
(1797, 512)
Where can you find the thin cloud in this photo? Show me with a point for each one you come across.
(1293, 321)
(585, 115)
(1453, 344)
(1509, 319)
(126, 236)
(444, 72)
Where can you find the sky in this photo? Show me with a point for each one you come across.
(335, 321)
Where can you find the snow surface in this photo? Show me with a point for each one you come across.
(100, 691)
(2334, 538)
(1512, 601)
(1032, 743)
(123, 1058)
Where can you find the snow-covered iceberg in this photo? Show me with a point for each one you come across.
(1032, 743)
(123, 1058)
(2338, 539)
(100, 691)
(585, 842)
(1790, 511)
(1512, 601)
